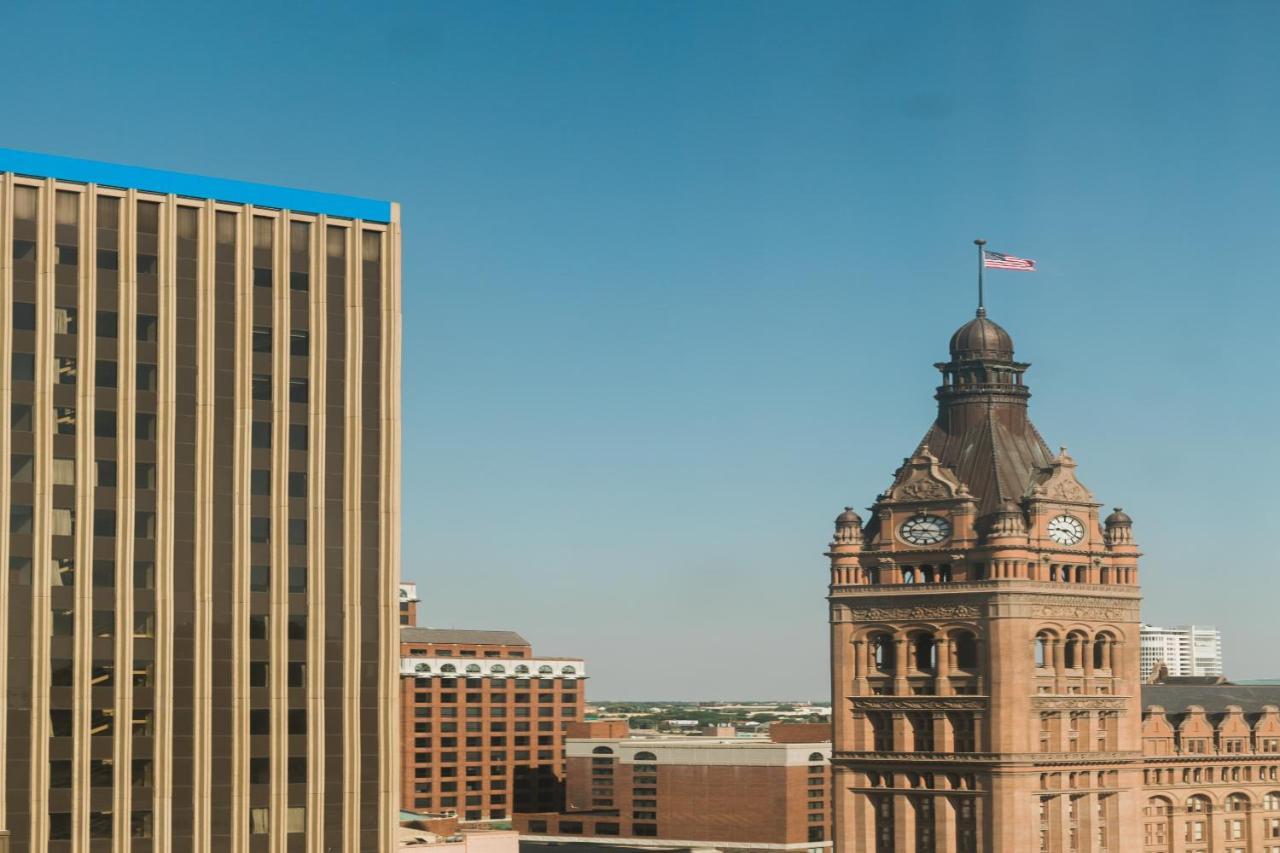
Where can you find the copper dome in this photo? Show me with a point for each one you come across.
(848, 517)
(1118, 517)
(981, 339)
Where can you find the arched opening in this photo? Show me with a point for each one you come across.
(602, 750)
(645, 756)
(815, 756)
(1042, 655)
(1271, 802)
(1237, 803)
(926, 574)
(925, 650)
(966, 647)
(1198, 804)
(1102, 651)
(1073, 651)
(885, 652)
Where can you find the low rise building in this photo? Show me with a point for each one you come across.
(483, 722)
(733, 794)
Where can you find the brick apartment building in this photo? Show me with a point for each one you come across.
(733, 794)
(483, 722)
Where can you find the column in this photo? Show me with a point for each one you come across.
(859, 669)
(901, 732)
(841, 650)
(1060, 823)
(942, 680)
(1086, 821)
(944, 739)
(1058, 648)
(857, 833)
(904, 824)
(944, 824)
(900, 664)
(1086, 660)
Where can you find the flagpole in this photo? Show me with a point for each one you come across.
(982, 310)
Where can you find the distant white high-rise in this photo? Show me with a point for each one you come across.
(1184, 650)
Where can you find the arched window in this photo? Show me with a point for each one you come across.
(1158, 806)
(966, 646)
(1198, 804)
(544, 670)
(645, 756)
(1101, 647)
(815, 756)
(1271, 802)
(449, 668)
(422, 667)
(885, 652)
(521, 669)
(473, 667)
(498, 669)
(1043, 658)
(1073, 657)
(926, 652)
(1237, 803)
(568, 670)
(602, 750)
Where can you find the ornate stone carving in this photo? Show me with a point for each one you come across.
(921, 478)
(1080, 703)
(919, 703)
(936, 611)
(1082, 607)
(1058, 482)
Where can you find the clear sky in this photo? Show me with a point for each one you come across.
(676, 274)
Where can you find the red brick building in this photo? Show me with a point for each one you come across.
(484, 722)
(743, 793)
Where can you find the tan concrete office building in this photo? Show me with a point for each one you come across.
(200, 397)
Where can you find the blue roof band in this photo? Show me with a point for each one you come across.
(197, 186)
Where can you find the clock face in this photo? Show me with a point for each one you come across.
(925, 530)
(1066, 530)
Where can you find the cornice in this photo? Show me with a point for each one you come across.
(996, 586)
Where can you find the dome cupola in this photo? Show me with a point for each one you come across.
(981, 339)
(848, 528)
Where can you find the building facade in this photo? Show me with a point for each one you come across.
(1188, 650)
(484, 722)
(730, 794)
(200, 386)
(985, 642)
(985, 638)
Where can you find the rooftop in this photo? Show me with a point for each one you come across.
(194, 186)
(1214, 698)
(462, 636)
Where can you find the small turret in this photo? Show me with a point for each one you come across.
(1119, 528)
(848, 528)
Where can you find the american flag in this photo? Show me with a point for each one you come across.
(1001, 261)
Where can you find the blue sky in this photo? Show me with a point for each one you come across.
(676, 274)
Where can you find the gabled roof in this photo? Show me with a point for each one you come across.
(463, 636)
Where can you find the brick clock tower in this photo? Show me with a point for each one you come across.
(984, 639)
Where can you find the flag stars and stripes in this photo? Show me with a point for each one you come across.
(1001, 261)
